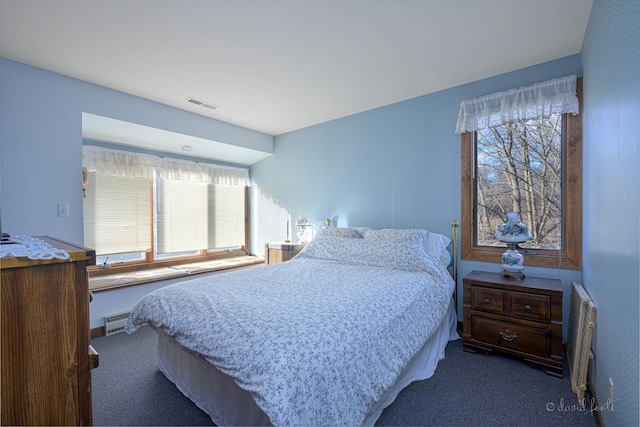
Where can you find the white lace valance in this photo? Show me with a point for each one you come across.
(138, 165)
(556, 96)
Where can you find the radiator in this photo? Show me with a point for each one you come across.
(582, 315)
(115, 323)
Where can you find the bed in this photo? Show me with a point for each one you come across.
(327, 338)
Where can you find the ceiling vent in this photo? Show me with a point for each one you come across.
(202, 103)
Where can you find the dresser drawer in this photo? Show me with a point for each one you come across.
(512, 336)
(531, 306)
(487, 299)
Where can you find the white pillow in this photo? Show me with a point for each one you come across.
(434, 243)
(392, 253)
(437, 245)
(340, 232)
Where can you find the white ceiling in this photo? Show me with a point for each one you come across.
(279, 65)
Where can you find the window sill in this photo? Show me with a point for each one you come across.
(120, 280)
(534, 258)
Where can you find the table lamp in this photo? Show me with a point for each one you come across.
(513, 232)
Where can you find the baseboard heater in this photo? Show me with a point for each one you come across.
(582, 321)
(115, 323)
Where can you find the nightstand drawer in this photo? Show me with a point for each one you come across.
(487, 299)
(512, 336)
(530, 306)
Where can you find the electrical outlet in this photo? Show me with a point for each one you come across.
(610, 391)
(63, 209)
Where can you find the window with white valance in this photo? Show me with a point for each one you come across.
(540, 100)
(521, 152)
(142, 208)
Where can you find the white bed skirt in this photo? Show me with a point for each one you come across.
(227, 404)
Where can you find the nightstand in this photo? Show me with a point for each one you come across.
(522, 318)
(281, 251)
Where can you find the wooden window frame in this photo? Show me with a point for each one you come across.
(570, 257)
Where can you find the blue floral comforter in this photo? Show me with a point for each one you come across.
(317, 340)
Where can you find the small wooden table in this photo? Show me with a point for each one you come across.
(281, 251)
(522, 318)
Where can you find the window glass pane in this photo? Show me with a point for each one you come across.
(175, 254)
(519, 168)
(112, 259)
(117, 215)
(181, 213)
(198, 216)
(226, 216)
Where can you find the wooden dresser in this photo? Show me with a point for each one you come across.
(522, 318)
(279, 252)
(46, 377)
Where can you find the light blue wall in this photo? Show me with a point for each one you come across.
(41, 153)
(611, 245)
(395, 166)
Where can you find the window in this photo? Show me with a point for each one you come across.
(518, 168)
(142, 210)
(532, 166)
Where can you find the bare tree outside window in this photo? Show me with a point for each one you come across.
(519, 169)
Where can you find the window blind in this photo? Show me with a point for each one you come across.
(192, 216)
(227, 211)
(117, 214)
(182, 219)
(196, 206)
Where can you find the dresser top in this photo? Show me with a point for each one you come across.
(537, 283)
(285, 246)
(76, 253)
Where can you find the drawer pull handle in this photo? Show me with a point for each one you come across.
(508, 335)
(527, 307)
(487, 300)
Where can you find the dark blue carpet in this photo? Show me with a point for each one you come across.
(466, 390)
